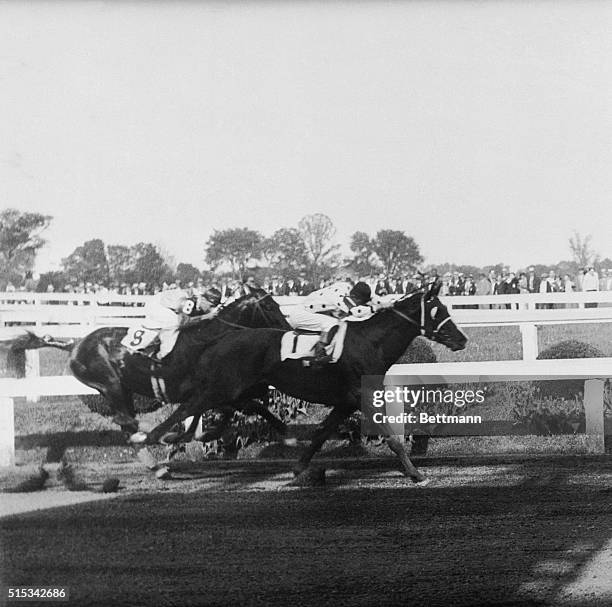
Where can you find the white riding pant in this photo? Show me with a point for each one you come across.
(165, 321)
(299, 318)
(167, 338)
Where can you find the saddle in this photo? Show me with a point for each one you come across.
(300, 345)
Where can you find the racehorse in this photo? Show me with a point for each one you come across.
(100, 361)
(246, 359)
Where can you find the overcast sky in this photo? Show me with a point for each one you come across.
(482, 129)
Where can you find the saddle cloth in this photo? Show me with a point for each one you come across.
(300, 345)
(139, 338)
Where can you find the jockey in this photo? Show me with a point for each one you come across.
(170, 311)
(207, 304)
(322, 310)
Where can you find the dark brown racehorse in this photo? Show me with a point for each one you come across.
(247, 359)
(101, 362)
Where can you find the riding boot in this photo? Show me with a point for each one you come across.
(320, 355)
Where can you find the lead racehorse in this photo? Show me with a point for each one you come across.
(248, 359)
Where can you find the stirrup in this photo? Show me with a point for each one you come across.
(321, 362)
(321, 358)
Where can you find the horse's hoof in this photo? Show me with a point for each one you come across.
(138, 438)
(163, 474)
(311, 477)
(290, 442)
(422, 483)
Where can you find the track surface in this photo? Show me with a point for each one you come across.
(536, 532)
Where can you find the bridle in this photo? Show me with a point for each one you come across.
(423, 326)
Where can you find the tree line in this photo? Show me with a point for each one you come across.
(308, 250)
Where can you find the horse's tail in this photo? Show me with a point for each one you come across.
(48, 341)
(25, 339)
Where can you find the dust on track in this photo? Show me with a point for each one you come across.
(486, 532)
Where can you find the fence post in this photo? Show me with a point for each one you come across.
(32, 370)
(529, 334)
(92, 313)
(7, 432)
(594, 413)
(32, 357)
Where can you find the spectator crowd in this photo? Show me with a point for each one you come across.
(455, 283)
(509, 282)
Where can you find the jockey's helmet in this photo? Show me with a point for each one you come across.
(212, 295)
(361, 293)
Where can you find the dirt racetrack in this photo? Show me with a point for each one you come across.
(517, 532)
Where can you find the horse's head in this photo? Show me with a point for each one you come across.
(425, 310)
(256, 310)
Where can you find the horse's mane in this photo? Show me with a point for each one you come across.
(191, 332)
(224, 310)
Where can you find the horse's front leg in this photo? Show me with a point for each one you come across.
(121, 402)
(394, 433)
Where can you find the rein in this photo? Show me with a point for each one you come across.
(238, 326)
(410, 320)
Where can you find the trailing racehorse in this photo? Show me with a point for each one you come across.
(100, 361)
(249, 359)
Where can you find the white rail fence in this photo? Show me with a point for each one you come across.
(593, 371)
(75, 315)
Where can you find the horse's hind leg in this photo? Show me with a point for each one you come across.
(104, 378)
(397, 444)
(122, 402)
(323, 433)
